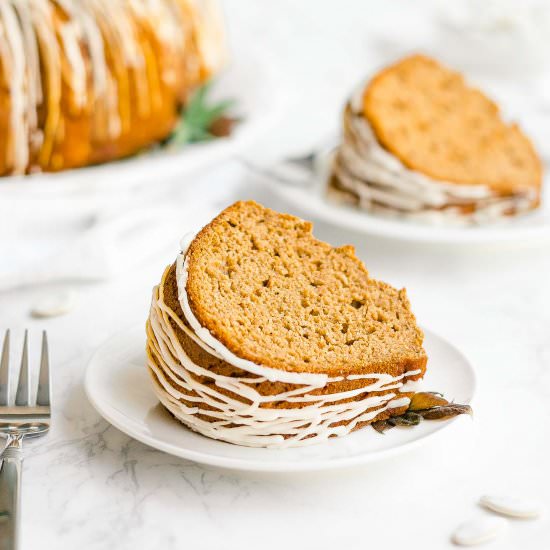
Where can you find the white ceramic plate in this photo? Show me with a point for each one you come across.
(118, 385)
(250, 79)
(309, 197)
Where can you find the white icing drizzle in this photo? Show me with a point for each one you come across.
(247, 421)
(39, 45)
(382, 183)
(34, 82)
(16, 79)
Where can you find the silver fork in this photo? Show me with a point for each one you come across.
(19, 418)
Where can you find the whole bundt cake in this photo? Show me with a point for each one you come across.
(87, 81)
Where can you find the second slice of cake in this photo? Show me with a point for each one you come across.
(261, 335)
(418, 142)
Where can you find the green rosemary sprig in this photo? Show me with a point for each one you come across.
(201, 120)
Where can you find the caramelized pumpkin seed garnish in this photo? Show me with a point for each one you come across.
(445, 412)
(426, 400)
(382, 426)
(410, 418)
(423, 406)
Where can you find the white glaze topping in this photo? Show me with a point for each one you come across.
(248, 421)
(383, 183)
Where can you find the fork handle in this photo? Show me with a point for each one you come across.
(10, 491)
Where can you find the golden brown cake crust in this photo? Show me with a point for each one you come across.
(273, 294)
(427, 116)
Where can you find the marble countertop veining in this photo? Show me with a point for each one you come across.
(87, 485)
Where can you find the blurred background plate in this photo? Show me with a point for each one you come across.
(250, 79)
(307, 194)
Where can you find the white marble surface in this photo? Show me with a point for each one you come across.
(86, 485)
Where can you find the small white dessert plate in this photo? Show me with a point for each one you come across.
(308, 195)
(118, 386)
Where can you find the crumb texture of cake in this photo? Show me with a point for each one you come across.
(273, 294)
(434, 123)
(262, 387)
(419, 143)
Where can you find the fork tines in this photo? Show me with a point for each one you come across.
(23, 394)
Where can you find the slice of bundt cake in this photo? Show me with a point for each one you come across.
(419, 142)
(262, 335)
